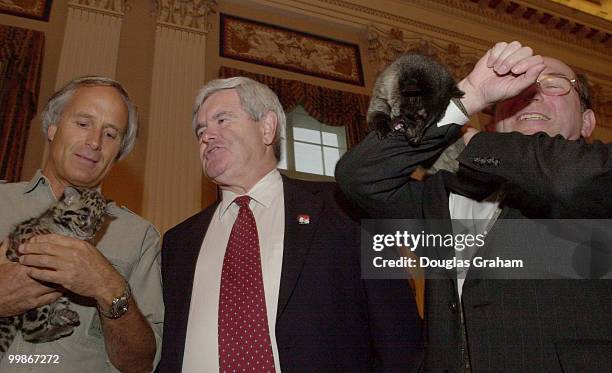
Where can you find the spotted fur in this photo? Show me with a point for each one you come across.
(78, 214)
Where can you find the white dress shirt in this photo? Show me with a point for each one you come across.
(476, 215)
(268, 206)
(464, 208)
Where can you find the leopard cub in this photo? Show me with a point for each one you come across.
(79, 214)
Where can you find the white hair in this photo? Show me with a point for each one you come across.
(256, 99)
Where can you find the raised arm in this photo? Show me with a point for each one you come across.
(376, 172)
(572, 175)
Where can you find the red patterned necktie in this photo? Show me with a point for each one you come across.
(244, 338)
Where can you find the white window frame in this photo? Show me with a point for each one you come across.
(289, 152)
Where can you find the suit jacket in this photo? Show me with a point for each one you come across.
(510, 325)
(328, 318)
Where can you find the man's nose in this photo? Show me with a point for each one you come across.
(533, 93)
(94, 138)
(209, 134)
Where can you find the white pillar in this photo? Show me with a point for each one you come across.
(91, 40)
(173, 172)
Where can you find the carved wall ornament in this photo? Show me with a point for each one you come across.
(193, 15)
(271, 45)
(385, 46)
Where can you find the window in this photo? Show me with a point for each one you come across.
(309, 148)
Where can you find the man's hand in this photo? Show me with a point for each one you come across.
(82, 269)
(18, 292)
(503, 72)
(74, 264)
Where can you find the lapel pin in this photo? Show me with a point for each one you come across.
(303, 219)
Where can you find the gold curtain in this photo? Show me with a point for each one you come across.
(329, 106)
(21, 53)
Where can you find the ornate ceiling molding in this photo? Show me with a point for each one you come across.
(191, 15)
(405, 21)
(112, 7)
(385, 46)
(530, 15)
(472, 11)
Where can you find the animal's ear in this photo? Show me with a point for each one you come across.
(71, 195)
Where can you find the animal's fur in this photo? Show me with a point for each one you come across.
(410, 95)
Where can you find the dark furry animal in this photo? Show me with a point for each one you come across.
(410, 95)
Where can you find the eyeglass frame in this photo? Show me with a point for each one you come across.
(571, 81)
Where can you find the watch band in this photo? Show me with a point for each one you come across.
(457, 101)
(119, 306)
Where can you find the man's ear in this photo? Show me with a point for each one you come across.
(588, 123)
(270, 126)
(51, 132)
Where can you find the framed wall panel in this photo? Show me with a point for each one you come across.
(271, 45)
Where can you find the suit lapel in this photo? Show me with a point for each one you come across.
(297, 238)
(436, 212)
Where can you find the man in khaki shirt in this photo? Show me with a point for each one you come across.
(90, 124)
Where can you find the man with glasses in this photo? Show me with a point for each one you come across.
(558, 104)
(537, 165)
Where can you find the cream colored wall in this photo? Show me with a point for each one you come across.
(125, 183)
(173, 192)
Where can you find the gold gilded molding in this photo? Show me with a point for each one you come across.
(529, 15)
(192, 15)
(592, 39)
(597, 8)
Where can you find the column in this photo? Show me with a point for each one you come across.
(173, 172)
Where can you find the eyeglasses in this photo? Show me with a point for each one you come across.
(555, 85)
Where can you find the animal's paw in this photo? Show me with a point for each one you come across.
(64, 316)
(61, 322)
(51, 333)
(381, 123)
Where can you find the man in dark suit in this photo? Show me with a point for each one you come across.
(268, 278)
(537, 165)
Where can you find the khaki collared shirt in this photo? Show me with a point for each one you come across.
(130, 243)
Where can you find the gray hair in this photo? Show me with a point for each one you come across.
(52, 113)
(584, 92)
(256, 99)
